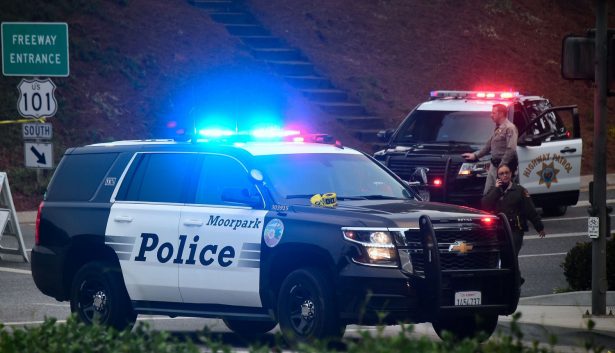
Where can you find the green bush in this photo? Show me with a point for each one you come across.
(578, 266)
(76, 337)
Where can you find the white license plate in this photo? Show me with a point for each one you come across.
(424, 194)
(468, 298)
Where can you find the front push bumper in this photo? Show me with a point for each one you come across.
(371, 295)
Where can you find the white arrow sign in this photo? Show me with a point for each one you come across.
(36, 98)
(38, 155)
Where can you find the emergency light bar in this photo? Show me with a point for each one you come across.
(267, 134)
(497, 95)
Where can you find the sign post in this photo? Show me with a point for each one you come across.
(35, 49)
(599, 209)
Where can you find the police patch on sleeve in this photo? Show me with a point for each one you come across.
(273, 232)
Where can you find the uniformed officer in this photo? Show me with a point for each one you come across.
(515, 202)
(502, 145)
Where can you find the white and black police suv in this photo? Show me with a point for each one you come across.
(310, 236)
(438, 131)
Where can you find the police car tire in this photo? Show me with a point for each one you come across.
(308, 286)
(477, 326)
(249, 327)
(103, 281)
(554, 211)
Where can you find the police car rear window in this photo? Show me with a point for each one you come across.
(79, 175)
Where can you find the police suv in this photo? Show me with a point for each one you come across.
(310, 235)
(438, 131)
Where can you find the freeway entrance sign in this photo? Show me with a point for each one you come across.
(34, 49)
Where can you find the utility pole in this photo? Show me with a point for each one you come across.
(599, 281)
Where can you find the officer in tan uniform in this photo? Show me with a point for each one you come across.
(502, 145)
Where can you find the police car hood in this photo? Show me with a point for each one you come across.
(391, 213)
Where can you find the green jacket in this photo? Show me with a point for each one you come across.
(516, 203)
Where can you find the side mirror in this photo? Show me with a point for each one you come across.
(241, 196)
(419, 176)
(385, 135)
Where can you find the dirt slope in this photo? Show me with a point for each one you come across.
(134, 63)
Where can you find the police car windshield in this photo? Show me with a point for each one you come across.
(351, 177)
(434, 126)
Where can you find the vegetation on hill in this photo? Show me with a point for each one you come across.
(137, 65)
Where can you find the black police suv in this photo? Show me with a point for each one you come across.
(310, 236)
(435, 134)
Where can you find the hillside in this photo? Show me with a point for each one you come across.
(136, 65)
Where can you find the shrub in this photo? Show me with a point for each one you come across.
(76, 337)
(578, 266)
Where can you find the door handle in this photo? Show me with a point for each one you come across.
(123, 219)
(568, 150)
(193, 222)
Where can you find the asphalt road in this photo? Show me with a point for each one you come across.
(540, 259)
(22, 304)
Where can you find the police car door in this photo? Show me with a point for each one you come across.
(550, 161)
(143, 224)
(222, 239)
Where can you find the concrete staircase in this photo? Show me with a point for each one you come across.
(294, 67)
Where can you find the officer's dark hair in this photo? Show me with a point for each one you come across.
(502, 166)
(512, 171)
(500, 108)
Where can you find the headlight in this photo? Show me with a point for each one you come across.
(377, 247)
(475, 168)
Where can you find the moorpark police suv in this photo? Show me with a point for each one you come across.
(312, 236)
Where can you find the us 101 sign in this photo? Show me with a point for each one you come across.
(36, 98)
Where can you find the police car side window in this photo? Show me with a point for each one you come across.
(85, 170)
(518, 118)
(158, 177)
(218, 173)
(545, 128)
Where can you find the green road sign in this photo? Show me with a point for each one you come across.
(34, 49)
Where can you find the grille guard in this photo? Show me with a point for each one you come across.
(432, 282)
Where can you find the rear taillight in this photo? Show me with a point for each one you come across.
(37, 232)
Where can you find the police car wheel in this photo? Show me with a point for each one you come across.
(554, 211)
(306, 307)
(480, 327)
(98, 295)
(249, 328)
